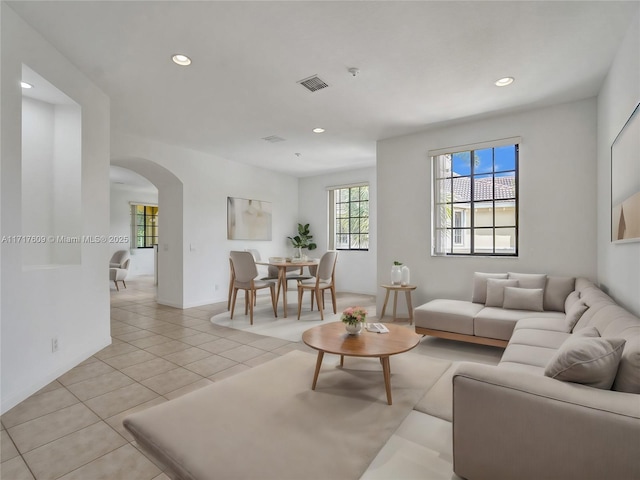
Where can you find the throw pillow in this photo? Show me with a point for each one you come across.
(556, 292)
(495, 291)
(480, 285)
(589, 361)
(574, 313)
(529, 280)
(523, 299)
(571, 299)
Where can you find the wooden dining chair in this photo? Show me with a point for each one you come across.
(324, 280)
(244, 273)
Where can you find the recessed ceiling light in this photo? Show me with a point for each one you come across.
(181, 60)
(318, 130)
(503, 82)
(26, 85)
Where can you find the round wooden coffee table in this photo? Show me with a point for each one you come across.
(333, 338)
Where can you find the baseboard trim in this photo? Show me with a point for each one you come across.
(461, 337)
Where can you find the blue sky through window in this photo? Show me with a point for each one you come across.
(488, 160)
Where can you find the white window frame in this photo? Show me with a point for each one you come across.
(333, 244)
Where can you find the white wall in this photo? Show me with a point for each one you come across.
(556, 194)
(618, 264)
(207, 181)
(70, 302)
(355, 271)
(142, 259)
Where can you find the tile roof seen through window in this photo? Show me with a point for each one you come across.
(505, 188)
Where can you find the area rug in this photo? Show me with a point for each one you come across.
(290, 328)
(267, 423)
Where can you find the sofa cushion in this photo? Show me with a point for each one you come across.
(555, 324)
(447, 315)
(499, 323)
(572, 298)
(529, 280)
(528, 355)
(538, 338)
(523, 299)
(480, 285)
(556, 291)
(495, 291)
(628, 376)
(574, 313)
(587, 360)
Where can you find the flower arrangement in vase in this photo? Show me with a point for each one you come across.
(353, 319)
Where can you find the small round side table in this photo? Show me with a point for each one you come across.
(407, 289)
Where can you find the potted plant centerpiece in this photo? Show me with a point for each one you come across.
(353, 319)
(303, 239)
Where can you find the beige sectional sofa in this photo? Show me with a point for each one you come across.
(484, 319)
(519, 420)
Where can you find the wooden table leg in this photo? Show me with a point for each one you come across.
(408, 295)
(318, 365)
(386, 371)
(342, 360)
(384, 306)
(395, 303)
(282, 281)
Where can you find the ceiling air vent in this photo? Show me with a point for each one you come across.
(273, 139)
(313, 84)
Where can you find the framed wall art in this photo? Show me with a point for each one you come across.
(248, 219)
(625, 181)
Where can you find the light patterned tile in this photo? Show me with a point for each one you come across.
(135, 335)
(168, 348)
(188, 389)
(124, 398)
(113, 350)
(229, 372)
(97, 386)
(42, 430)
(72, 451)
(171, 380)
(83, 372)
(189, 355)
(268, 343)
(128, 359)
(148, 369)
(180, 333)
(242, 353)
(125, 462)
(245, 337)
(208, 366)
(219, 346)
(7, 448)
(15, 469)
(199, 339)
(150, 340)
(37, 406)
(50, 387)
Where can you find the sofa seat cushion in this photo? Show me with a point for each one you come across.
(523, 367)
(552, 324)
(538, 338)
(494, 322)
(447, 315)
(528, 355)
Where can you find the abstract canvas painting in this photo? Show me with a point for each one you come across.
(625, 182)
(248, 219)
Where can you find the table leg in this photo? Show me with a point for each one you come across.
(409, 306)
(386, 371)
(318, 365)
(384, 306)
(395, 303)
(342, 360)
(282, 281)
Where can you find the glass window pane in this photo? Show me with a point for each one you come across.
(364, 193)
(354, 225)
(354, 194)
(461, 190)
(364, 210)
(506, 240)
(505, 185)
(483, 240)
(483, 161)
(364, 241)
(461, 163)
(442, 166)
(483, 214)
(505, 214)
(505, 158)
(483, 187)
(355, 209)
(463, 237)
(344, 194)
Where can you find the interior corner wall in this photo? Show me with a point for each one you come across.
(355, 270)
(70, 302)
(142, 259)
(618, 264)
(557, 199)
(207, 181)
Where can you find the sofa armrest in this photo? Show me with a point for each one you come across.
(511, 424)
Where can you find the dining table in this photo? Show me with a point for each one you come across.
(282, 266)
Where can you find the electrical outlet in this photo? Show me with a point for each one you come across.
(54, 344)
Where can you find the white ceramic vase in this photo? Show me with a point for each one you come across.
(396, 275)
(354, 329)
(405, 276)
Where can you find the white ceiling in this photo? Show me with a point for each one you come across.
(421, 64)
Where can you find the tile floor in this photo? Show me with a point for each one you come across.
(72, 428)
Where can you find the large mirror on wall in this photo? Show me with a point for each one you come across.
(625, 181)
